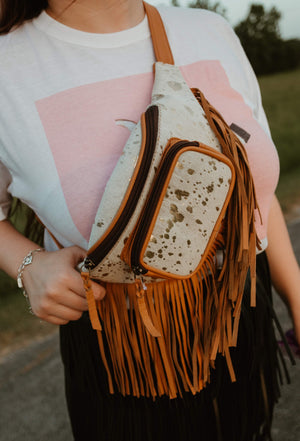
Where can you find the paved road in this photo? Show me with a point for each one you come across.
(32, 404)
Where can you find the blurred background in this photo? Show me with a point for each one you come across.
(270, 34)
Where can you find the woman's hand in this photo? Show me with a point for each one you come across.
(55, 287)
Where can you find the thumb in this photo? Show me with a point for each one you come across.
(98, 290)
(76, 254)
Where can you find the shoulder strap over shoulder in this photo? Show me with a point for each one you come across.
(159, 37)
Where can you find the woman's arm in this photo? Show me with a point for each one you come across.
(54, 286)
(285, 272)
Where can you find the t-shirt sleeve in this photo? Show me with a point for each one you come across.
(5, 197)
(254, 89)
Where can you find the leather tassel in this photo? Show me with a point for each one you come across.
(140, 293)
(91, 301)
(194, 327)
(164, 337)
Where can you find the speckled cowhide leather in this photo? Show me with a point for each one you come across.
(196, 193)
(187, 217)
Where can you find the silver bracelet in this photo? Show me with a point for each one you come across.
(26, 261)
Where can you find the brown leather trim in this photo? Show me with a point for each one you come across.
(215, 154)
(159, 37)
(58, 244)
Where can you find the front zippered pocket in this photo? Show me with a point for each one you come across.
(149, 123)
(183, 211)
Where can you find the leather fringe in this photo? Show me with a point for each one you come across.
(236, 411)
(164, 338)
(192, 332)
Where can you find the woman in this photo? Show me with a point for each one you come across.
(76, 74)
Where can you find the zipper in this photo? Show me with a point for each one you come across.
(105, 245)
(137, 241)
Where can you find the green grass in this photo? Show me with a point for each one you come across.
(17, 325)
(281, 98)
(288, 191)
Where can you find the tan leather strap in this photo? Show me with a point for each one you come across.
(51, 235)
(159, 37)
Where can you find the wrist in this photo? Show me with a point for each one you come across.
(28, 259)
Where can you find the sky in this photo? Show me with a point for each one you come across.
(237, 10)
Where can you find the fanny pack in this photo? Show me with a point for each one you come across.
(172, 241)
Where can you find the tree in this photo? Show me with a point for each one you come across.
(261, 23)
(205, 4)
(292, 53)
(260, 36)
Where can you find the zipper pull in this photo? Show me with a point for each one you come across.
(88, 264)
(141, 289)
(92, 305)
(138, 271)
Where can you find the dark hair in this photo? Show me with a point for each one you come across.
(15, 12)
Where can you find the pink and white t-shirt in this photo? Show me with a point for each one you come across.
(69, 100)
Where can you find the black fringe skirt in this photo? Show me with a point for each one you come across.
(223, 411)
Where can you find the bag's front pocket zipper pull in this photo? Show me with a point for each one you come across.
(141, 289)
(138, 270)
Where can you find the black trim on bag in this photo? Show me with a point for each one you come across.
(96, 256)
(151, 204)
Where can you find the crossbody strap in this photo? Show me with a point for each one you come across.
(159, 37)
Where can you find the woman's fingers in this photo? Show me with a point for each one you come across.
(55, 320)
(55, 288)
(75, 283)
(98, 290)
(72, 300)
(75, 255)
(66, 306)
(62, 312)
(66, 314)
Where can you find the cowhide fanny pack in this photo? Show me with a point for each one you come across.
(181, 192)
(168, 194)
